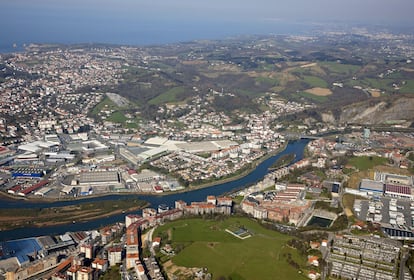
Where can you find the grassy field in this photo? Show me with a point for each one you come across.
(313, 81)
(365, 163)
(408, 87)
(168, 96)
(106, 103)
(117, 117)
(207, 244)
(267, 81)
(313, 97)
(382, 84)
(338, 68)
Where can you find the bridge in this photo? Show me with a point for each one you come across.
(297, 136)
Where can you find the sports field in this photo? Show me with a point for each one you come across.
(207, 244)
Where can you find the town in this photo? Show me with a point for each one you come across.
(86, 124)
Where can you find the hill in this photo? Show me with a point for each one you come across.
(331, 71)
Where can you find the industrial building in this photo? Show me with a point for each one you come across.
(145, 176)
(54, 157)
(35, 187)
(138, 155)
(23, 250)
(371, 187)
(394, 178)
(206, 146)
(157, 146)
(398, 191)
(28, 173)
(26, 258)
(99, 178)
(37, 146)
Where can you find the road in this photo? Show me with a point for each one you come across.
(404, 259)
(148, 240)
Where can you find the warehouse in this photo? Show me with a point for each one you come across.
(37, 146)
(22, 249)
(206, 146)
(28, 173)
(132, 154)
(59, 157)
(43, 191)
(138, 155)
(67, 189)
(371, 186)
(33, 188)
(99, 178)
(145, 176)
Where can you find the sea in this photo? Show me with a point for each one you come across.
(138, 33)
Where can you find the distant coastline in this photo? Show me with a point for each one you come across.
(158, 33)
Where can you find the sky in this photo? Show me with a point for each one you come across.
(135, 21)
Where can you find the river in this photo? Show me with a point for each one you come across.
(296, 147)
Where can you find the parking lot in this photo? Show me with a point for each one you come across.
(385, 210)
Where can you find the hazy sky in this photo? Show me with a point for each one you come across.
(111, 20)
(374, 11)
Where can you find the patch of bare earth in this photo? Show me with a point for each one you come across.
(348, 212)
(407, 69)
(173, 271)
(319, 91)
(375, 93)
(308, 65)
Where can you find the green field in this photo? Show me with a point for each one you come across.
(382, 84)
(313, 97)
(169, 96)
(365, 163)
(106, 103)
(267, 81)
(314, 81)
(408, 87)
(117, 117)
(338, 68)
(205, 243)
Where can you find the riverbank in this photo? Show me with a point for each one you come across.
(241, 174)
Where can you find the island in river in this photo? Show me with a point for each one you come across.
(82, 212)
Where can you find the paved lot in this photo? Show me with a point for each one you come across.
(385, 210)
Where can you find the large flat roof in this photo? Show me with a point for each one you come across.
(371, 185)
(206, 146)
(99, 177)
(21, 249)
(157, 141)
